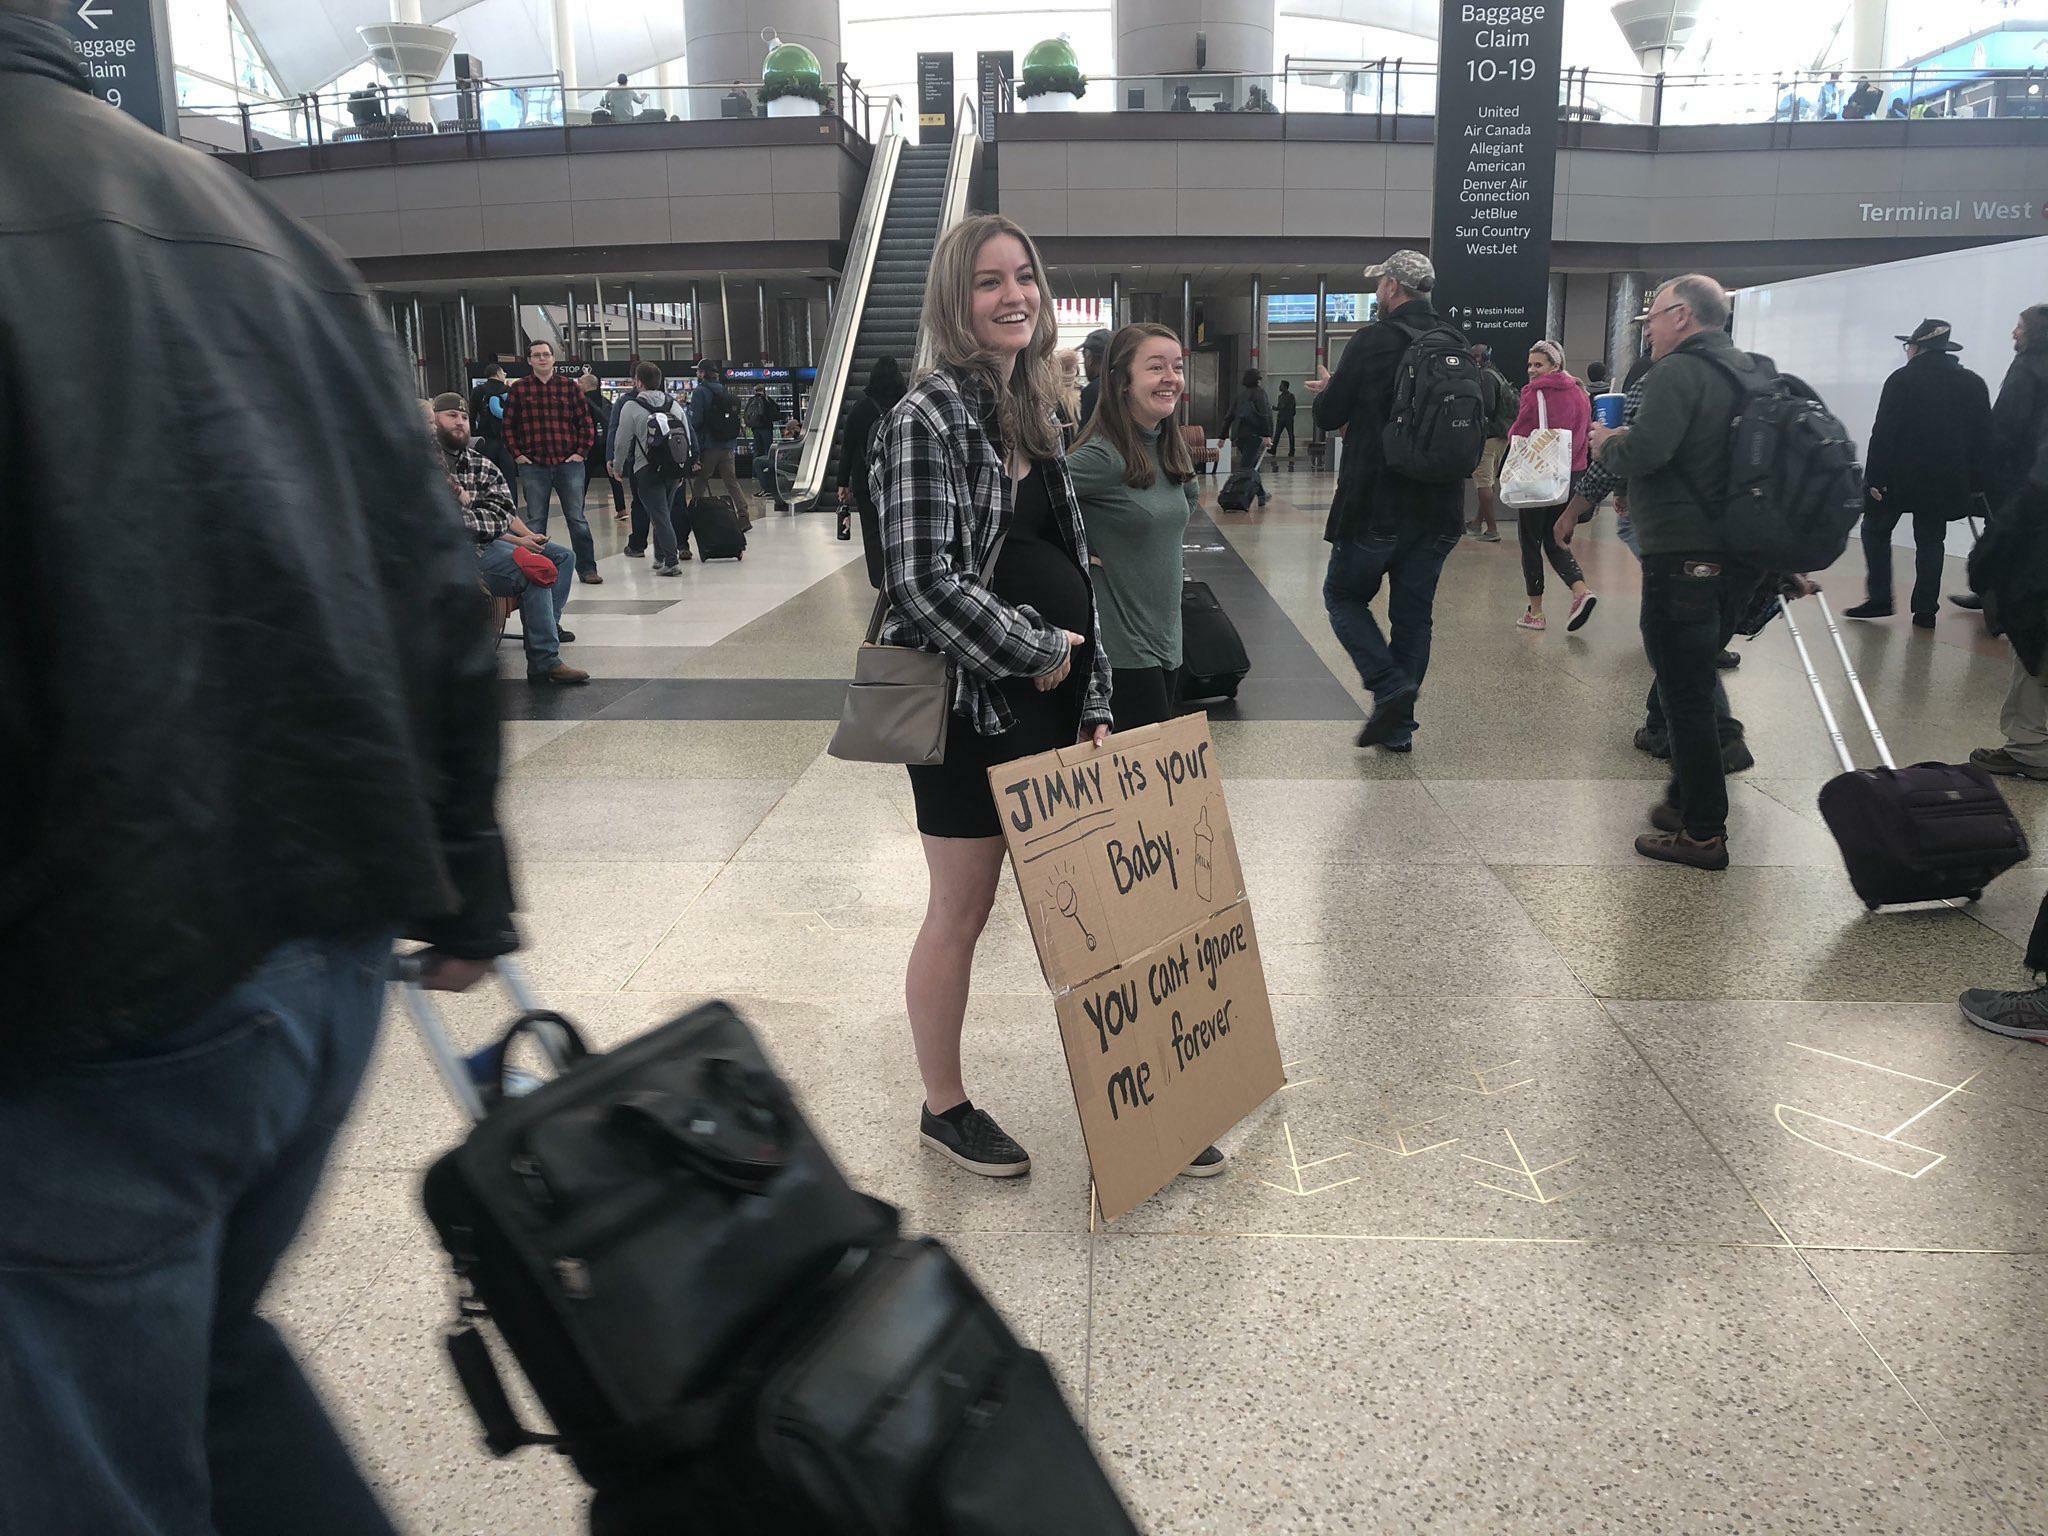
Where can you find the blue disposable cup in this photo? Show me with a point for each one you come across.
(1607, 409)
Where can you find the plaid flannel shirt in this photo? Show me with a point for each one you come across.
(548, 422)
(944, 498)
(490, 510)
(1598, 480)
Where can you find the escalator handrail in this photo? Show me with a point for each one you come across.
(961, 165)
(821, 425)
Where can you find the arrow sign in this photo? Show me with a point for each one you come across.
(88, 12)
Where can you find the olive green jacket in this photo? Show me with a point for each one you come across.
(1675, 453)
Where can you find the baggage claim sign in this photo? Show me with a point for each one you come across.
(1496, 167)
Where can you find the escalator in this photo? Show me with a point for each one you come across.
(914, 192)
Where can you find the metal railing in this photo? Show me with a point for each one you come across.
(835, 363)
(385, 111)
(1395, 87)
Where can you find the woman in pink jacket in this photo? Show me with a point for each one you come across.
(1565, 405)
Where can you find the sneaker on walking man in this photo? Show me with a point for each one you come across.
(1929, 459)
(1384, 527)
(241, 754)
(549, 430)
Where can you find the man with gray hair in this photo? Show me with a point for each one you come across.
(1695, 591)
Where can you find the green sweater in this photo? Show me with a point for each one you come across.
(1676, 449)
(1135, 538)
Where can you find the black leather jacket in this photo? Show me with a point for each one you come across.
(247, 689)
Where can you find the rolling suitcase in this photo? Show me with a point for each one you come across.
(1240, 489)
(636, 1227)
(1924, 833)
(1213, 659)
(715, 524)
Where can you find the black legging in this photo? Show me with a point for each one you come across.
(1538, 528)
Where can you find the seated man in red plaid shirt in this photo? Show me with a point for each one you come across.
(501, 538)
(548, 429)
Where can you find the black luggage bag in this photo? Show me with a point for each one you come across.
(634, 1227)
(1928, 832)
(1213, 659)
(716, 524)
(1240, 490)
(910, 1410)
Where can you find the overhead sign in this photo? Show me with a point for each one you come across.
(934, 98)
(991, 70)
(125, 46)
(1132, 890)
(1496, 170)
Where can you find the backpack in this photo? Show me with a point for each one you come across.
(1438, 425)
(721, 421)
(1507, 403)
(1795, 490)
(665, 442)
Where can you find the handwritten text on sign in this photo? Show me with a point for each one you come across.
(1118, 847)
(1167, 1052)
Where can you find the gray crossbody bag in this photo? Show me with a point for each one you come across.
(900, 702)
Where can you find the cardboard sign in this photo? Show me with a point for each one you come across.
(1167, 1052)
(1128, 867)
(1118, 847)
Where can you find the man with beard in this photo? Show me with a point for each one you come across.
(510, 557)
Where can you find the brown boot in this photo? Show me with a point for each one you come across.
(1677, 848)
(561, 673)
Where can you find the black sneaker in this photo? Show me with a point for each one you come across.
(976, 1143)
(1923, 621)
(1736, 757)
(1655, 743)
(1392, 718)
(2022, 1015)
(1208, 1162)
(565, 635)
(1968, 601)
(1727, 661)
(634, 554)
(1869, 610)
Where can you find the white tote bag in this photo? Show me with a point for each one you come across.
(1538, 469)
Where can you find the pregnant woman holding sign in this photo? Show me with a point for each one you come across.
(984, 560)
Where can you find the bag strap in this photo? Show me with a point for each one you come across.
(485, 1389)
(1746, 389)
(1542, 411)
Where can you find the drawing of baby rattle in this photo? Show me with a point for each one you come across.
(1064, 898)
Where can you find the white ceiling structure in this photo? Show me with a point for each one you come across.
(309, 42)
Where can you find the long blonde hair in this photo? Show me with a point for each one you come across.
(1113, 422)
(1026, 402)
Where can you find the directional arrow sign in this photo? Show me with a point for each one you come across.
(125, 47)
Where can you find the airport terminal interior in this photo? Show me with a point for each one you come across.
(1599, 1194)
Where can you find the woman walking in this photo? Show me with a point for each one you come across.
(1565, 405)
(1136, 484)
(1251, 432)
(856, 496)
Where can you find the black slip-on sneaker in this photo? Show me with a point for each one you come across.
(976, 1143)
(1208, 1162)
(1392, 718)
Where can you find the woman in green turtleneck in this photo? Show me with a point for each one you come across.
(1136, 486)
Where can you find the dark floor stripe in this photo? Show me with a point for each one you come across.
(1288, 681)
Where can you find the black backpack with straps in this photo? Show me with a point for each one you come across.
(1437, 427)
(1795, 490)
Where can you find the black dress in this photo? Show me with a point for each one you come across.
(1038, 570)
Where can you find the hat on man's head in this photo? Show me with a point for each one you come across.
(1411, 269)
(1931, 336)
(1097, 341)
(448, 400)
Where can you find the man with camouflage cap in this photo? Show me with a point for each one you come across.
(1383, 525)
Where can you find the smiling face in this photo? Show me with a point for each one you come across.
(1540, 364)
(1006, 299)
(542, 358)
(1157, 380)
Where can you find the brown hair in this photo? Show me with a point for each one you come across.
(1026, 402)
(1113, 422)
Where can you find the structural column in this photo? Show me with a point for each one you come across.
(1155, 39)
(1315, 432)
(1867, 26)
(518, 327)
(696, 321)
(1258, 350)
(419, 343)
(722, 40)
(761, 319)
(564, 33)
(570, 339)
(1624, 336)
(1553, 310)
(1116, 301)
(465, 323)
(632, 322)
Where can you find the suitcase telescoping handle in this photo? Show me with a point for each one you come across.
(1827, 714)
(467, 1078)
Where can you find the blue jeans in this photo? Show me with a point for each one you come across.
(149, 1196)
(1409, 560)
(540, 608)
(566, 481)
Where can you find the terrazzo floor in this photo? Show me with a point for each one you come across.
(1604, 1196)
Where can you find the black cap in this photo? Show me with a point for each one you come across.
(1097, 341)
(1932, 336)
